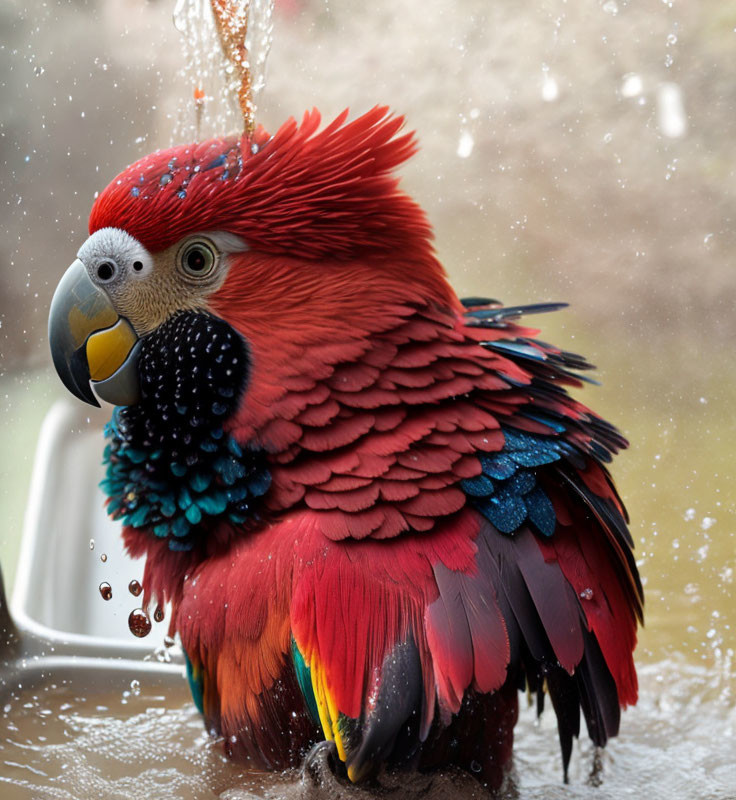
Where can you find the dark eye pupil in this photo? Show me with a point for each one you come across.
(137, 266)
(105, 271)
(196, 260)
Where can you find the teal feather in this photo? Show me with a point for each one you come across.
(185, 499)
(304, 679)
(196, 685)
(180, 526)
(168, 506)
(199, 482)
(175, 497)
(193, 514)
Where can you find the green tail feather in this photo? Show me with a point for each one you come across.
(304, 679)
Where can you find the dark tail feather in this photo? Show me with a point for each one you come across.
(399, 702)
(544, 620)
(598, 694)
(565, 699)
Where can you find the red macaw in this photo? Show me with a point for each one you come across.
(374, 508)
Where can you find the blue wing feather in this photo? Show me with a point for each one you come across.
(507, 492)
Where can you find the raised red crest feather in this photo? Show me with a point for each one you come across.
(301, 192)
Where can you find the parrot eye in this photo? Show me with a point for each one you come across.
(105, 271)
(198, 259)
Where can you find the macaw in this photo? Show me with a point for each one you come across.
(375, 509)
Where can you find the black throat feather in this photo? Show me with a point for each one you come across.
(171, 468)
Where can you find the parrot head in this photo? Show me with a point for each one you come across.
(269, 242)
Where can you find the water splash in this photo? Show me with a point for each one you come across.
(211, 106)
(139, 738)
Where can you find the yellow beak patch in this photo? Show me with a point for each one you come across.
(108, 349)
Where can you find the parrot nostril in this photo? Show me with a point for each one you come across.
(105, 271)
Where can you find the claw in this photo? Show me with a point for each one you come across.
(320, 765)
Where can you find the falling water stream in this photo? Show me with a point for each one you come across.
(211, 104)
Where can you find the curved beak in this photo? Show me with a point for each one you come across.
(95, 351)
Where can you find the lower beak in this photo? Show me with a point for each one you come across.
(94, 350)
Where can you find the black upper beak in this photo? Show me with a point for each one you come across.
(89, 342)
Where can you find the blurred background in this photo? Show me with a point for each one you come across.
(578, 151)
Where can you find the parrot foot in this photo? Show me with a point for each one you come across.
(321, 780)
(596, 771)
(320, 766)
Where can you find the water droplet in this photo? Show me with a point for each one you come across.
(38, 71)
(671, 116)
(631, 85)
(91, 544)
(586, 594)
(166, 178)
(105, 590)
(708, 239)
(610, 7)
(707, 523)
(475, 766)
(134, 588)
(139, 623)
(158, 614)
(103, 557)
(671, 39)
(135, 687)
(465, 145)
(608, 138)
(668, 60)
(550, 89)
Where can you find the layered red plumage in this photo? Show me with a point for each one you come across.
(375, 396)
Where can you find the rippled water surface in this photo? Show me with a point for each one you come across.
(58, 743)
(679, 743)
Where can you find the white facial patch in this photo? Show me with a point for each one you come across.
(110, 255)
